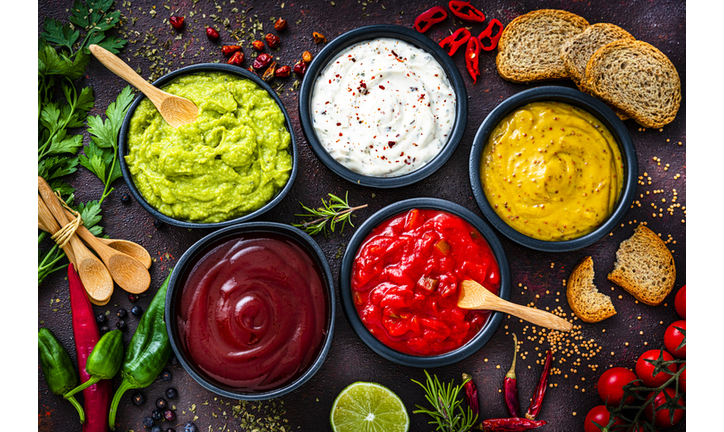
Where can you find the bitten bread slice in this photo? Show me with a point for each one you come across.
(636, 78)
(577, 51)
(530, 47)
(644, 267)
(584, 298)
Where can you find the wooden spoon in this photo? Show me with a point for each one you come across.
(177, 111)
(96, 279)
(134, 250)
(475, 296)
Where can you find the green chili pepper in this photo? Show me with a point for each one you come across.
(104, 361)
(57, 367)
(147, 353)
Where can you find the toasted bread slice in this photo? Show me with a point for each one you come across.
(530, 47)
(577, 51)
(584, 298)
(644, 267)
(636, 78)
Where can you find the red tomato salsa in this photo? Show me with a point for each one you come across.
(405, 281)
(253, 313)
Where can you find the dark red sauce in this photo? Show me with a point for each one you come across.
(405, 281)
(253, 313)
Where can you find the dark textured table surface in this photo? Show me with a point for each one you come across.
(538, 278)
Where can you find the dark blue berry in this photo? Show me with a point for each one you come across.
(125, 198)
(121, 325)
(148, 422)
(157, 223)
(101, 318)
(190, 427)
(157, 415)
(171, 393)
(104, 329)
(161, 403)
(170, 430)
(166, 376)
(137, 311)
(156, 429)
(121, 313)
(138, 399)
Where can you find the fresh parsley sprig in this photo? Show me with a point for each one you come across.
(447, 411)
(336, 210)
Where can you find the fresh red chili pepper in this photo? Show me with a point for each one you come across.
(488, 34)
(472, 59)
(471, 394)
(465, 11)
(97, 398)
(540, 390)
(429, 18)
(228, 50)
(455, 40)
(510, 386)
(513, 424)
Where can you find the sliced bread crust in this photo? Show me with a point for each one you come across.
(644, 267)
(530, 46)
(577, 51)
(584, 298)
(637, 78)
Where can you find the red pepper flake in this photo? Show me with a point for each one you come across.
(382, 87)
(391, 143)
(339, 124)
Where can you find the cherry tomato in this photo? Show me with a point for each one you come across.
(663, 416)
(645, 370)
(673, 338)
(680, 302)
(600, 415)
(610, 385)
(682, 378)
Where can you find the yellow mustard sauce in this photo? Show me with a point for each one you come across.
(552, 171)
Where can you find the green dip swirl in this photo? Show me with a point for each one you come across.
(228, 163)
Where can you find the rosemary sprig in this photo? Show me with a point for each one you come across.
(447, 412)
(334, 211)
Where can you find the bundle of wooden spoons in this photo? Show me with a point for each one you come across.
(121, 261)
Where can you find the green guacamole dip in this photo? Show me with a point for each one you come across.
(228, 163)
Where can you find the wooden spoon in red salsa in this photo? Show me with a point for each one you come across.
(406, 280)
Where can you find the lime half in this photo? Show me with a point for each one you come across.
(368, 407)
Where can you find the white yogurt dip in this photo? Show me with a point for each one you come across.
(383, 108)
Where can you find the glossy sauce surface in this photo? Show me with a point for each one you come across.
(253, 313)
(406, 278)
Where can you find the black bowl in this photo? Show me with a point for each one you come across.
(578, 99)
(373, 32)
(350, 311)
(206, 67)
(208, 243)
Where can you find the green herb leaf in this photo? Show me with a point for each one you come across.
(106, 132)
(57, 33)
(91, 214)
(337, 210)
(56, 167)
(96, 159)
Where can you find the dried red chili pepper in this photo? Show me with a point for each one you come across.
(465, 11)
(176, 22)
(269, 72)
(280, 24)
(262, 60)
(306, 56)
(471, 394)
(300, 68)
(237, 59)
(472, 60)
(510, 424)
(429, 18)
(228, 50)
(540, 390)
(258, 45)
(271, 40)
(451, 43)
(510, 385)
(283, 72)
(212, 34)
(487, 34)
(318, 37)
